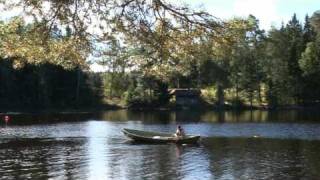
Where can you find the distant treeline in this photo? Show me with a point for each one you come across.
(47, 86)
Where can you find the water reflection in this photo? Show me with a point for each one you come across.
(97, 150)
(41, 158)
(211, 116)
(169, 117)
(104, 158)
(287, 147)
(263, 158)
(140, 161)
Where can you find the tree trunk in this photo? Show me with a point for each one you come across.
(259, 94)
(178, 82)
(43, 94)
(237, 88)
(251, 100)
(220, 95)
(78, 85)
(199, 77)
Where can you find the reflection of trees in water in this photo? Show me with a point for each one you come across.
(166, 117)
(184, 116)
(145, 116)
(18, 160)
(211, 116)
(150, 161)
(310, 152)
(40, 159)
(261, 159)
(145, 161)
(64, 159)
(234, 116)
(216, 158)
(47, 118)
(74, 158)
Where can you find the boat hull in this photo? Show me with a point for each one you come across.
(154, 137)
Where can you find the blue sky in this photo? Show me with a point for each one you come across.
(269, 12)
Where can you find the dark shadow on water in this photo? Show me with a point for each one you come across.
(46, 118)
(261, 158)
(42, 158)
(25, 142)
(132, 142)
(169, 117)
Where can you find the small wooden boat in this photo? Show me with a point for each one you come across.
(158, 137)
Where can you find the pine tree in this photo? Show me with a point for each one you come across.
(309, 33)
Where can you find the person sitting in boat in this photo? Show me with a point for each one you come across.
(179, 132)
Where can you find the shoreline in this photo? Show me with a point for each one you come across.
(97, 109)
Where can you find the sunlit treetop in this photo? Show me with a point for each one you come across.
(95, 21)
(28, 44)
(315, 20)
(101, 17)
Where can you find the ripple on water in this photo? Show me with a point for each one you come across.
(93, 149)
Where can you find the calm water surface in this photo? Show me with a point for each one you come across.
(235, 145)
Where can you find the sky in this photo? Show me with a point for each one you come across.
(269, 12)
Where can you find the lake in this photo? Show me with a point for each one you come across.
(234, 145)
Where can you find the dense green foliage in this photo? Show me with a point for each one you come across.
(38, 73)
(46, 87)
(280, 67)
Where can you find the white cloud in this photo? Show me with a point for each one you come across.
(265, 11)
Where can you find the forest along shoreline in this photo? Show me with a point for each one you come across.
(190, 60)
